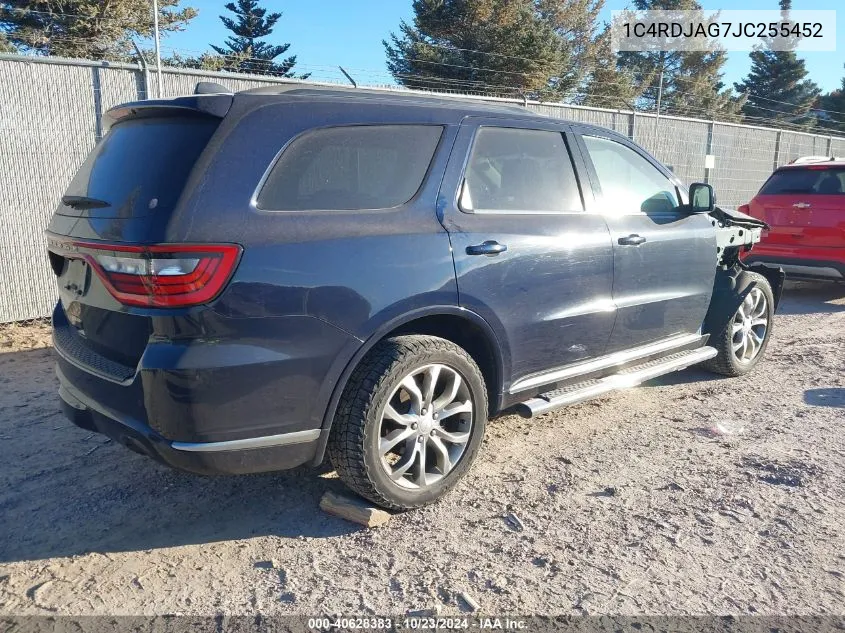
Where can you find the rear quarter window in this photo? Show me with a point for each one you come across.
(805, 182)
(348, 168)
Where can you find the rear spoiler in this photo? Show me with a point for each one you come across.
(214, 105)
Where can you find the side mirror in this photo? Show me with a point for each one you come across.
(702, 199)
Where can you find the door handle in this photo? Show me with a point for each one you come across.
(801, 205)
(490, 247)
(632, 240)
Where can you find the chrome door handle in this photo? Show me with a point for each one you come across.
(490, 247)
(631, 240)
(801, 205)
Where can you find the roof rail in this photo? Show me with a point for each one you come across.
(801, 160)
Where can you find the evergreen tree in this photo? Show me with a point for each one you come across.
(243, 51)
(89, 29)
(831, 109)
(777, 87)
(609, 86)
(692, 80)
(535, 47)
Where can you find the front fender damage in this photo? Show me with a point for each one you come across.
(731, 286)
(774, 275)
(736, 232)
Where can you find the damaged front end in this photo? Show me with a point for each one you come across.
(736, 233)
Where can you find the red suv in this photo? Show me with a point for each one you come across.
(804, 205)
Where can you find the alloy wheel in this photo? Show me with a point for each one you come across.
(425, 426)
(749, 327)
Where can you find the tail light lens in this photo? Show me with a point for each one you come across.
(744, 208)
(164, 275)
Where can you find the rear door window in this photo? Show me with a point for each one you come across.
(806, 182)
(352, 167)
(141, 166)
(520, 171)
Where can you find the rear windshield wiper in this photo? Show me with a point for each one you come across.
(84, 202)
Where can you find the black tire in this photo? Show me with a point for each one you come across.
(726, 362)
(355, 434)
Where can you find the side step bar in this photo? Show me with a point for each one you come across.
(626, 378)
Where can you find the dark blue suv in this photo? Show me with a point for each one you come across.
(251, 281)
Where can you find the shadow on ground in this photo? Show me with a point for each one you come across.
(65, 491)
(807, 297)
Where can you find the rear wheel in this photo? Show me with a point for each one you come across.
(743, 341)
(410, 421)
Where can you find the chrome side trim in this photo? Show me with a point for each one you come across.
(265, 441)
(617, 358)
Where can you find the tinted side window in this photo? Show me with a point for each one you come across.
(520, 170)
(806, 182)
(629, 183)
(354, 167)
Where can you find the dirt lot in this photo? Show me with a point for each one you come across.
(690, 495)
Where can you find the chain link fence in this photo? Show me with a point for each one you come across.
(51, 113)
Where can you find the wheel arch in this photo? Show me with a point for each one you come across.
(459, 325)
(730, 287)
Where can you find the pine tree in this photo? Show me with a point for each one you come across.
(533, 47)
(243, 51)
(691, 80)
(89, 29)
(831, 109)
(777, 87)
(609, 86)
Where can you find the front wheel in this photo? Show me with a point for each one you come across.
(743, 341)
(410, 422)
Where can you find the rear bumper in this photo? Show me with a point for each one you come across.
(250, 402)
(801, 263)
(235, 457)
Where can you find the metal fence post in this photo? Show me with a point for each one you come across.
(96, 88)
(710, 128)
(777, 149)
(145, 71)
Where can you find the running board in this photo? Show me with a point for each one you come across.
(630, 377)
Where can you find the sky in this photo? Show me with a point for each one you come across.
(326, 33)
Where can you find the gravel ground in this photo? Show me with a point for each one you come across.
(690, 495)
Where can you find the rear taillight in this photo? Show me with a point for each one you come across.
(176, 275)
(744, 208)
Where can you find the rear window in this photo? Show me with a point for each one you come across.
(806, 182)
(141, 166)
(518, 170)
(354, 167)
